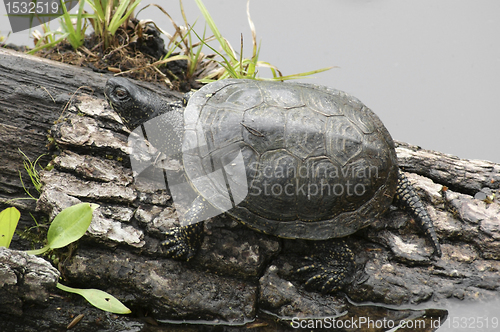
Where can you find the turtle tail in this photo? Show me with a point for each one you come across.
(407, 198)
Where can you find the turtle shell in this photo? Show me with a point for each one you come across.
(293, 160)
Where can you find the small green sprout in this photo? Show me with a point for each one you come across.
(67, 227)
(30, 168)
(108, 16)
(98, 299)
(236, 66)
(74, 33)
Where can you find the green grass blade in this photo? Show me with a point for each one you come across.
(252, 67)
(106, 23)
(288, 77)
(79, 20)
(196, 58)
(209, 20)
(66, 20)
(222, 41)
(227, 65)
(129, 12)
(24, 187)
(8, 223)
(119, 18)
(119, 11)
(75, 37)
(98, 299)
(97, 8)
(49, 45)
(70, 225)
(307, 73)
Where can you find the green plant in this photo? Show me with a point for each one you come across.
(74, 32)
(182, 40)
(181, 47)
(236, 66)
(68, 226)
(46, 38)
(108, 16)
(30, 168)
(98, 299)
(203, 67)
(8, 223)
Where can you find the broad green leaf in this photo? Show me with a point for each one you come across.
(98, 299)
(70, 225)
(8, 223)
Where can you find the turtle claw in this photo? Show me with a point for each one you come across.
(175, 247)
(329, 270)
(182, 243)
(326, 280)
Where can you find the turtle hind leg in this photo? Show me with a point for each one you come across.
(329, 268)
(407, 198)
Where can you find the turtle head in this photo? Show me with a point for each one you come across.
(135, 105)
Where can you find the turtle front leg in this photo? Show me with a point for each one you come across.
(183, 242)
(329, 268)
(407, 198)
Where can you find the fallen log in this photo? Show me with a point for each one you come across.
(238, 273)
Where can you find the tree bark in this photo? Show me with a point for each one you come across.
(238, 272)
(34, 94)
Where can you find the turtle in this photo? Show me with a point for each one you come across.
(293, 160)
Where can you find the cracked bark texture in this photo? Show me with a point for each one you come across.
(238, 274)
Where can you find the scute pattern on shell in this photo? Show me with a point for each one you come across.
(290, 136)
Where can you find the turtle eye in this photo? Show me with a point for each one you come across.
(121, 93)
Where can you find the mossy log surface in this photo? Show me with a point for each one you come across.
(238, 275)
